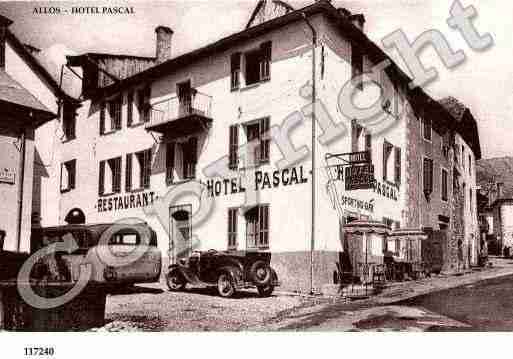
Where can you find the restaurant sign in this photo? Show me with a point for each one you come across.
(359, 177)
(7, 175)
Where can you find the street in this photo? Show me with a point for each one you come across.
(480, 300)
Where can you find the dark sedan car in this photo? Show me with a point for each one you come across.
(227, 270)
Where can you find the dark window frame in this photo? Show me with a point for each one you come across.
(444, 185)
(69, 121)
(257, 218)
(71, 168)
(233, 213)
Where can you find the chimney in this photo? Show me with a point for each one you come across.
(358, 20)
(163, 48)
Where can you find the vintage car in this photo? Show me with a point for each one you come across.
(227, 270)
(121, 241)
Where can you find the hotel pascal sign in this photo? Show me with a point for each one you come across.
(262, 180)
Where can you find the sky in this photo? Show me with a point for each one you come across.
(484, 82)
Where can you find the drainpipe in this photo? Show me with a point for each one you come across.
(314, 98)
(20, 189)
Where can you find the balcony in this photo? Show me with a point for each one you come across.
(181, 115)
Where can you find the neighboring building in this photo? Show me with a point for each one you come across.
(29, 99)
(149, 126)
(495, 179)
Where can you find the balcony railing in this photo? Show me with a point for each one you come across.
(194, 105)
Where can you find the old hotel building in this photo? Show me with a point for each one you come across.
(148, 125)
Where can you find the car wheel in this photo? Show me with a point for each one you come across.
(265, 291)
(175, 281)
(225, 285)
(260, 272)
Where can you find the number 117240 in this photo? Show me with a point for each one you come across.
(39, 351)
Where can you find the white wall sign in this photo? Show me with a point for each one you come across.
(7, 175)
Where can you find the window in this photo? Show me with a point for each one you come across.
(110, 176)
(235, 71)
(232, 228)
(445, 179)
(130, 108)
(470, 165)
(138, 170)
(233, 150)
(257, 65)
(470, 200)
(170, 162)
(427, 171)
(397, 165)
(356, 66)
(131, 239)
(190, 158)
(462, 156)
(257, 227)
(68, 175)
(361, 140)
(181, 160)
(143, 104)
(389, 165)
(426, 129)
(115, 113)
(258, 150)
(69, 119)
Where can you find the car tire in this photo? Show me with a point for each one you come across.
(260, 273)
(175, 281)
(225, 285)
(265, 291)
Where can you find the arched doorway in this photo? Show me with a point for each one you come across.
(75, 216)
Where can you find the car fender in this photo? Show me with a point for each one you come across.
(235, 273)
(188, 277)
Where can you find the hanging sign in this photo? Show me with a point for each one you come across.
(7, 175)
(359, 177)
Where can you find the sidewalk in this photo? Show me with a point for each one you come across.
(383, 311)
(399, 291)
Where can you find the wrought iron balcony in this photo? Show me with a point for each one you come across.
(181, 115)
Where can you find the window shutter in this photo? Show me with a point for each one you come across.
(102, 117)
(263, 223)
(130, 110)
(233, 147)
(354, 135)
(128, 173)
(170, 162)
(264, 141)
(147, 168)
(118, 105)
(62, 186)
(368, 143)
(72, 173)
(265, 62)
(116, 182)
(397, 161)
(385, 157)
(101, 178)
(147, 107)
(430, 176)
(235, 70)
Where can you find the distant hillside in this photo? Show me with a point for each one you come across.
(496, 170)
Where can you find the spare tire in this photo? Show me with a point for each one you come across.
(260, 273)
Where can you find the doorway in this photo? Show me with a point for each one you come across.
(180, 236)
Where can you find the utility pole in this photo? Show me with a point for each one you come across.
(314, 98)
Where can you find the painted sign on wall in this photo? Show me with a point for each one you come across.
(134, 200)
(7, 175)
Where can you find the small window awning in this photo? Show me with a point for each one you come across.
(408, 234)
(360, 227)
